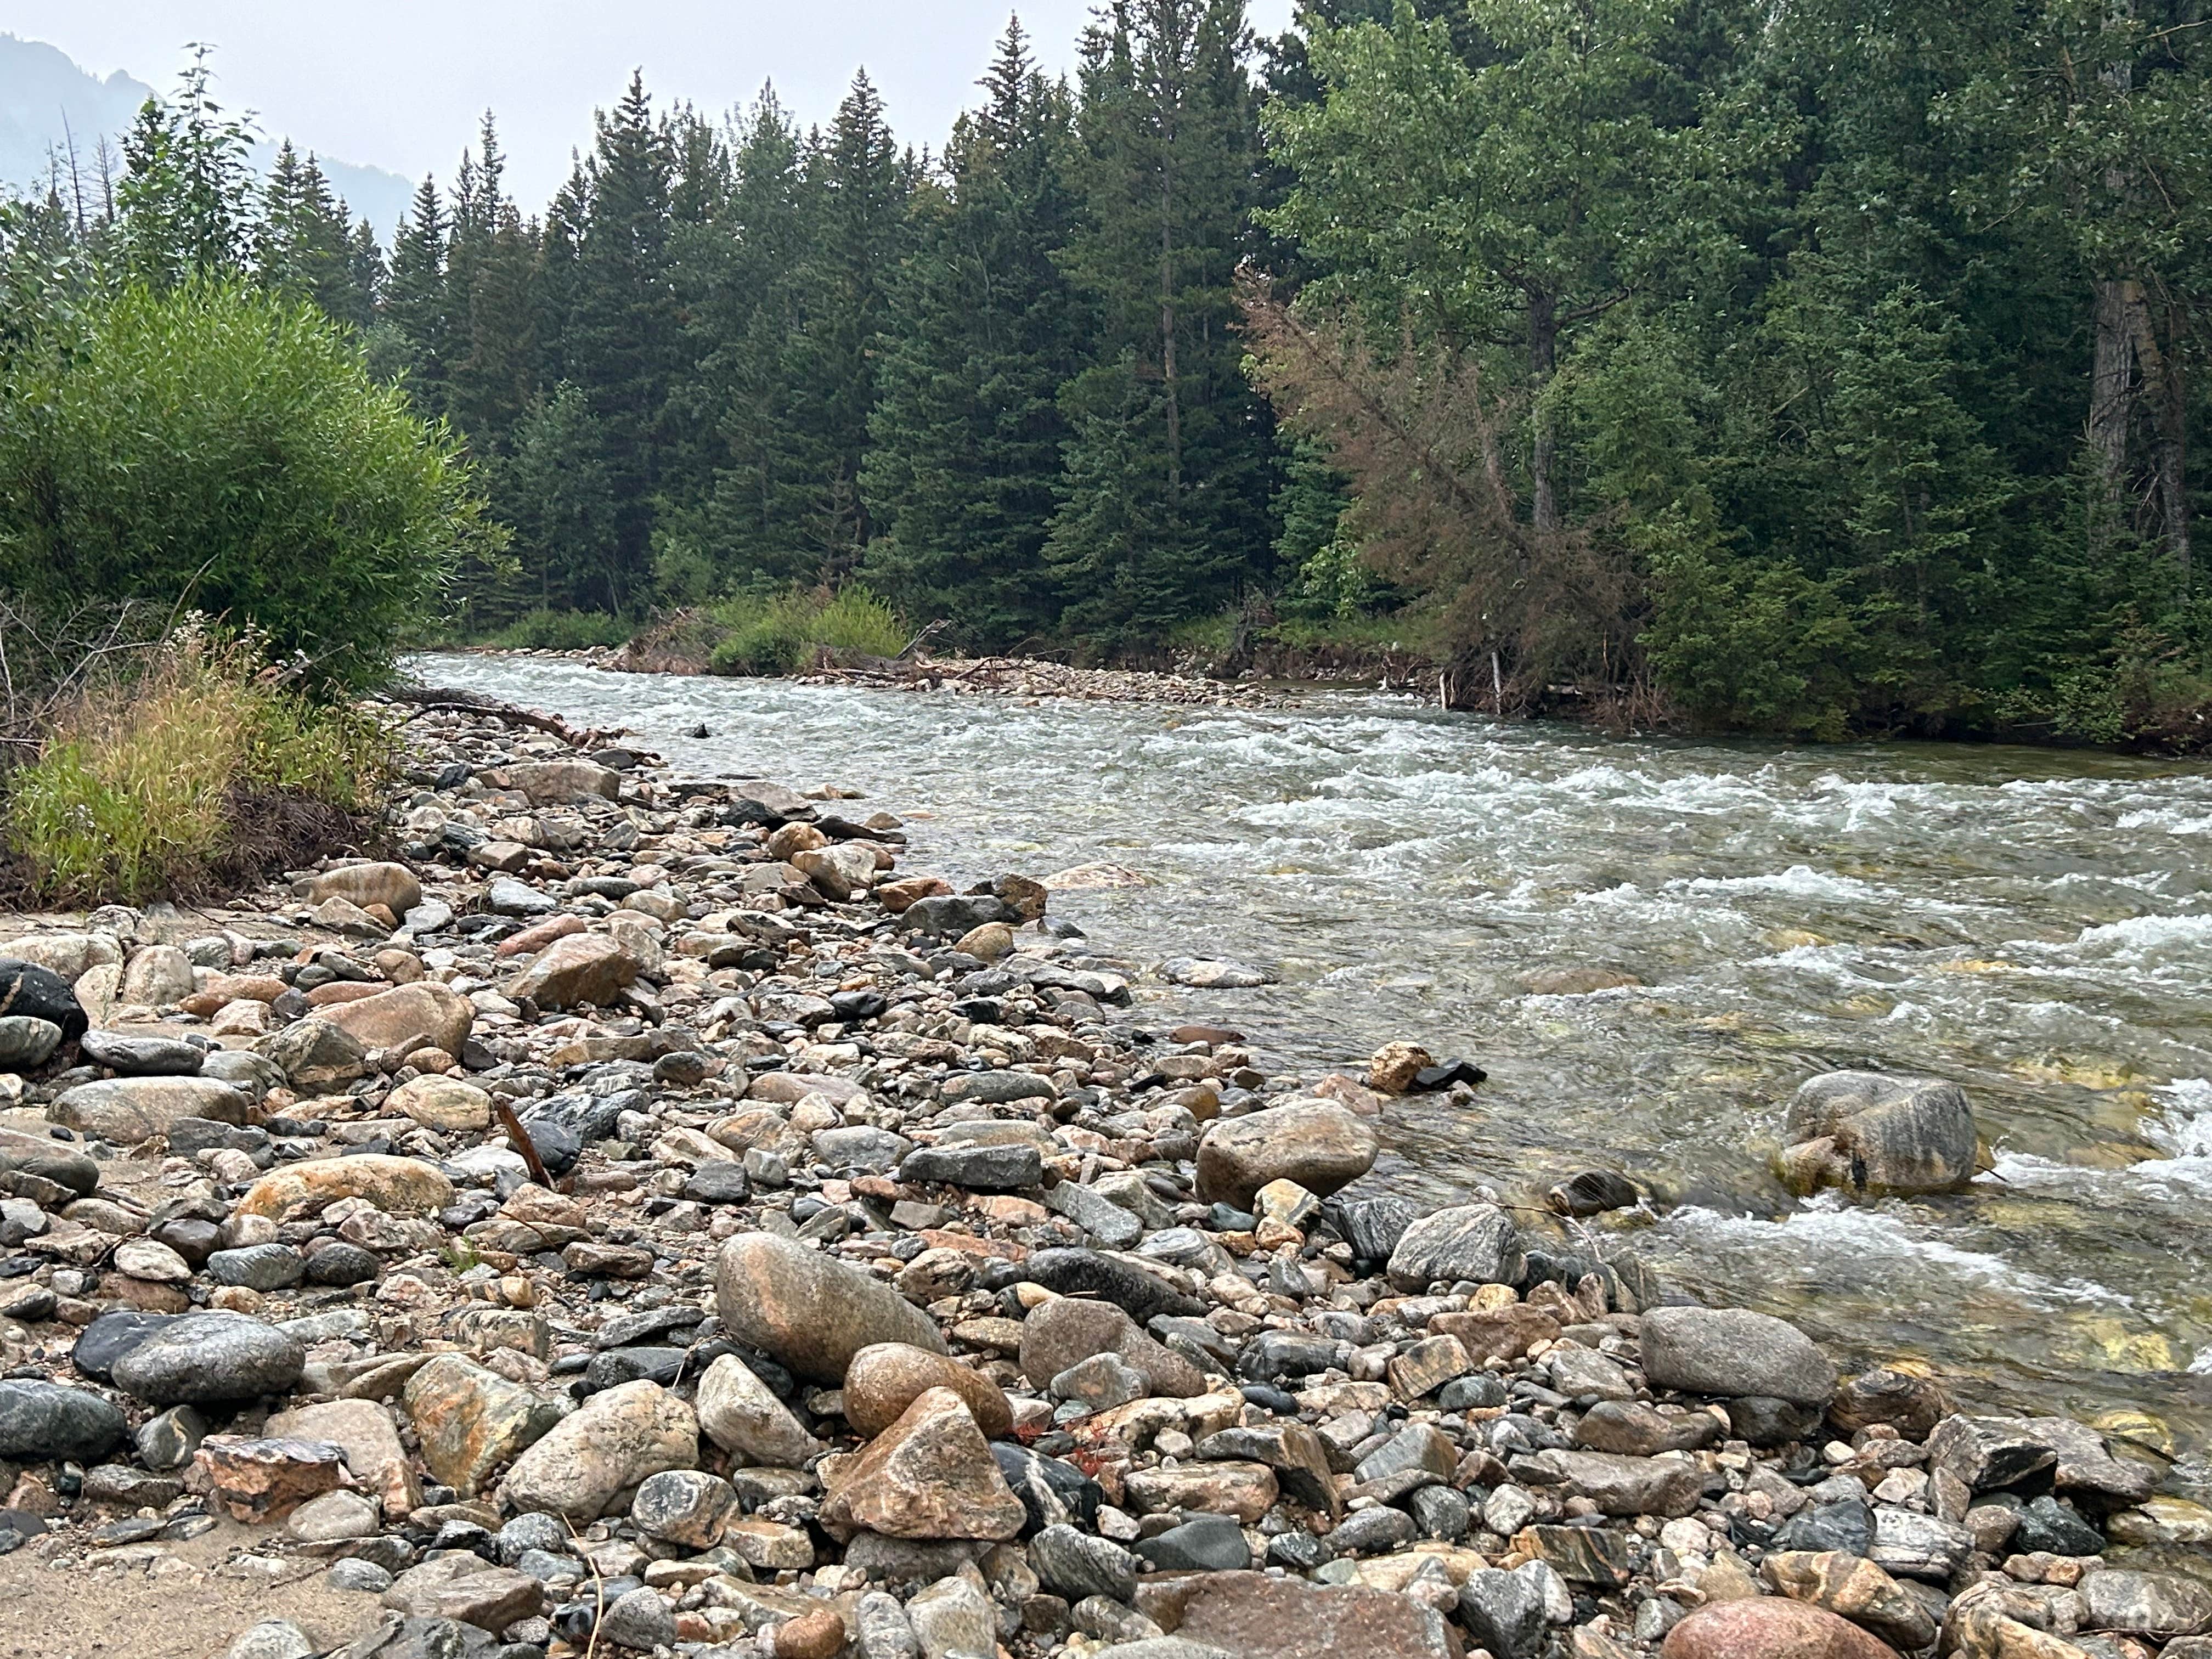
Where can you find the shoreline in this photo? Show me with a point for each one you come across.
(892, 1291)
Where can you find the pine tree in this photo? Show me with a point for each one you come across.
(619, 344)
(965, 463)
(1165, 510)
(303, 245)
(417, 314)
(491, 277)
(747, 465)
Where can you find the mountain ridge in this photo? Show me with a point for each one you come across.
(51, 104)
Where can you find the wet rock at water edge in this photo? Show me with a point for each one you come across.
(1867, 1132)
(1731, 1352)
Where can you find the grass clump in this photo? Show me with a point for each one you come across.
(782, 633)
(199, 771)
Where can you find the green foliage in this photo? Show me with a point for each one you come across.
(214, 446)
(148, 784)
(546, 630)
(184, 206)
(767, 635)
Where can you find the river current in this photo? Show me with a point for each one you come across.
(2034, 925)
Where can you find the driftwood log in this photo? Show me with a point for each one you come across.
(434, 698)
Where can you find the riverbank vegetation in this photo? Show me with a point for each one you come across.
(1820, 372)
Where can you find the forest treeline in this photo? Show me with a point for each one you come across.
(1816, 368)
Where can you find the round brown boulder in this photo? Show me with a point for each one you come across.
(1768, 1627)
(886, 1377)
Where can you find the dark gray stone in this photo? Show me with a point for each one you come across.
(39, 993)
(342, 1264)
(142, 1056)
(257, 1266)
(1075, 1564)
(2047, 1524)
(1052, 1493)
(42, 1420)
(203, 1358)
(1086, 1272)
(1114, 1227)
(720, 1181)
(1441, 1513)
(1373, 1226)
(1847, 1526)
(113, 1336)
(1504, 1612)
(1478, 1242)
(167, 1439)
(1205, 1543)
(1733, 1353)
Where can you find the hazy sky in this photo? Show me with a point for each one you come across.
(399, 84)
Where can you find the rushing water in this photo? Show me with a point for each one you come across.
(2037, 926)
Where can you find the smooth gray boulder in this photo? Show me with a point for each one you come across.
(1867, 1132)
(809, 1311)
(1734, 1353)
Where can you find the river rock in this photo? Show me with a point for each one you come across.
(68, 956)
(442, 1102)
(593, 1458)
(2154, 1604)
(1505, 1611)
(157, 976)
(394, 886)
(1321, 1146)
(141, 1056)
(43, 1420)
(264, 1478)
(1867, 1132)
(1066, 1331)
(931, 1474)
(1854, 1589)
(30, 992)
(885, 1378)
(983, 1169)
(563, 782)
(397, 1185)
(810, 1312)
(364, 1431)
(1143, 1296)
(128, 1111)
(25, 1041)
(1475, 1242)
(739, 1413)
(208, 1357)
(470, 1420)
(423, 1015)
(1622, 1486)
(1054, 1492)
(1074, 1565)
(683, 1506)
(257, 1266)
(464, 1588)
(1904, 1395)
(1247, 1491)
(1249, 1613)
(1106, 1222)
(1769, 1627)
(1731, 1352)
(840, 870)
(583, 968)
(316, 1056)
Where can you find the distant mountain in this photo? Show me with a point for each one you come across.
(47, 104)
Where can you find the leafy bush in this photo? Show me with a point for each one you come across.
(219, 447)
(779, 634)
(160, 784)
(545, 629)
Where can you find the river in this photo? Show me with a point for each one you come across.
(2035, 925)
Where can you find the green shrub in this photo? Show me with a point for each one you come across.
(150, 786)
(770, 635)
(545, 629)
(220, 447)
(856, 620)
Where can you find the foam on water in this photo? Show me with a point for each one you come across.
(1798, 881)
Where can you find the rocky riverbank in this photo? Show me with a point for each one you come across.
(648, 1217)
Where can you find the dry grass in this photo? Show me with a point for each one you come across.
(197, 769)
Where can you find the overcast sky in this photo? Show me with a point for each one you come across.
(399, 84)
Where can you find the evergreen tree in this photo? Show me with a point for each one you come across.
(965, 463)
(618, 345)
(1165, 508)
(417, 316)
(491, 277)
(303, 245)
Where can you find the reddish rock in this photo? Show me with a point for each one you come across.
(1768, 1627)
(259, 1480)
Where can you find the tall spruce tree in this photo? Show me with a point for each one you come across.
(964, 467)
(303, 245)
(417, 320)
(1166, 505)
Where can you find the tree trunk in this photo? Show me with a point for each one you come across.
(2113, 383)
(1543, 359)
(1167, 304)
(2163, 379)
